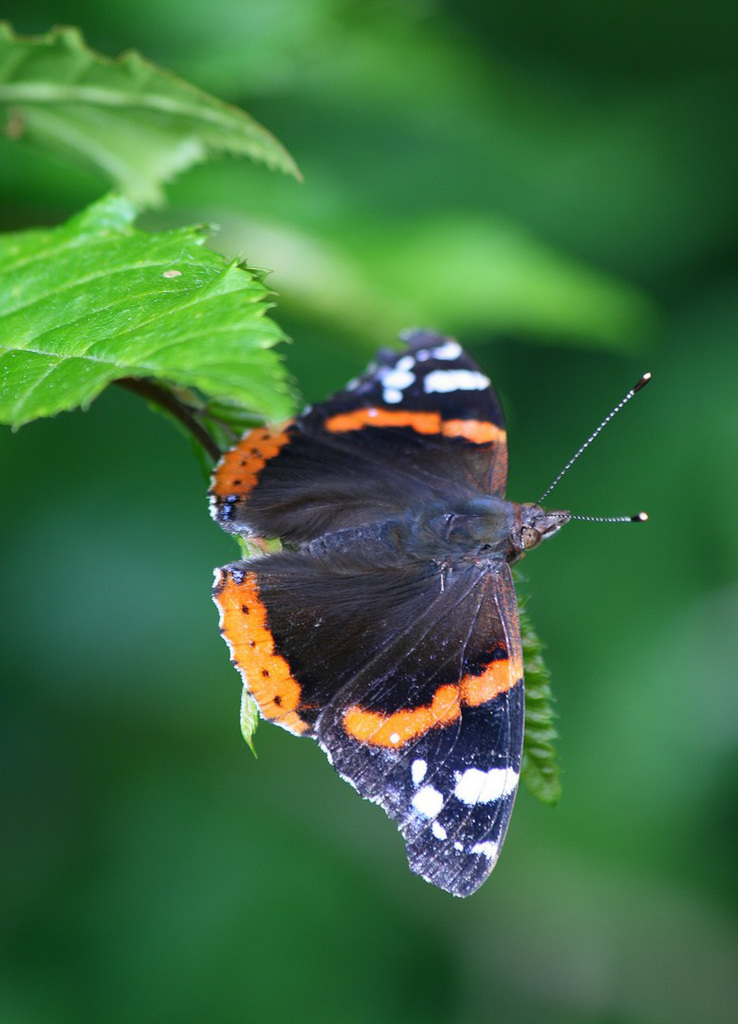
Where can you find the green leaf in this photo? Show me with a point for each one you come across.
(134, 122)
(96, 300)
(475, 277)
(540, 768)
(486, 274)
(249, 718)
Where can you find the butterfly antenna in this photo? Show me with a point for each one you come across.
(640, 517)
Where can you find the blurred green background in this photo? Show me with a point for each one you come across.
(556, 184)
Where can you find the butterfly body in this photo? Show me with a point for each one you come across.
(387, 628)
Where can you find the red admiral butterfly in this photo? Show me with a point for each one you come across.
(387, 629)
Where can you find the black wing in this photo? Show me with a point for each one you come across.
(419, 425)
(410, 678)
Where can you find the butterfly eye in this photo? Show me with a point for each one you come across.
(530, 538)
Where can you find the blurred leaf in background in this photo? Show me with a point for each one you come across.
(129, 120)
(556, 185)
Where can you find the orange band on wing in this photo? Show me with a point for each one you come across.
(238, 470)
(499, 677)
(266, 674)
(402, 726)
(477, 431)
(396, 729)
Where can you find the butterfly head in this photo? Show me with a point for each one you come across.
(534, 525)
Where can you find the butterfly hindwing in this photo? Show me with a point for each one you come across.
(444, 765)
(399, 673)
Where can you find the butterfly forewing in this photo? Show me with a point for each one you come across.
(365, 455)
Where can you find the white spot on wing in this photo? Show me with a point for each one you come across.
(477, 787)
(444, 381)
(395, 737)
(428, 802)
(395, 379)
(449, 350)
(488, 849)
(418, 770)
(438, 830)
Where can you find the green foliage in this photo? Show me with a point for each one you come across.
(540, 768)
(249, 718)
(483, 276)
(485, 273)
(96, 300)
(135, 123)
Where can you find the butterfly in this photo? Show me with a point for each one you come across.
(387, 626)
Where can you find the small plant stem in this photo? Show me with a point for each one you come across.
(161, 397)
